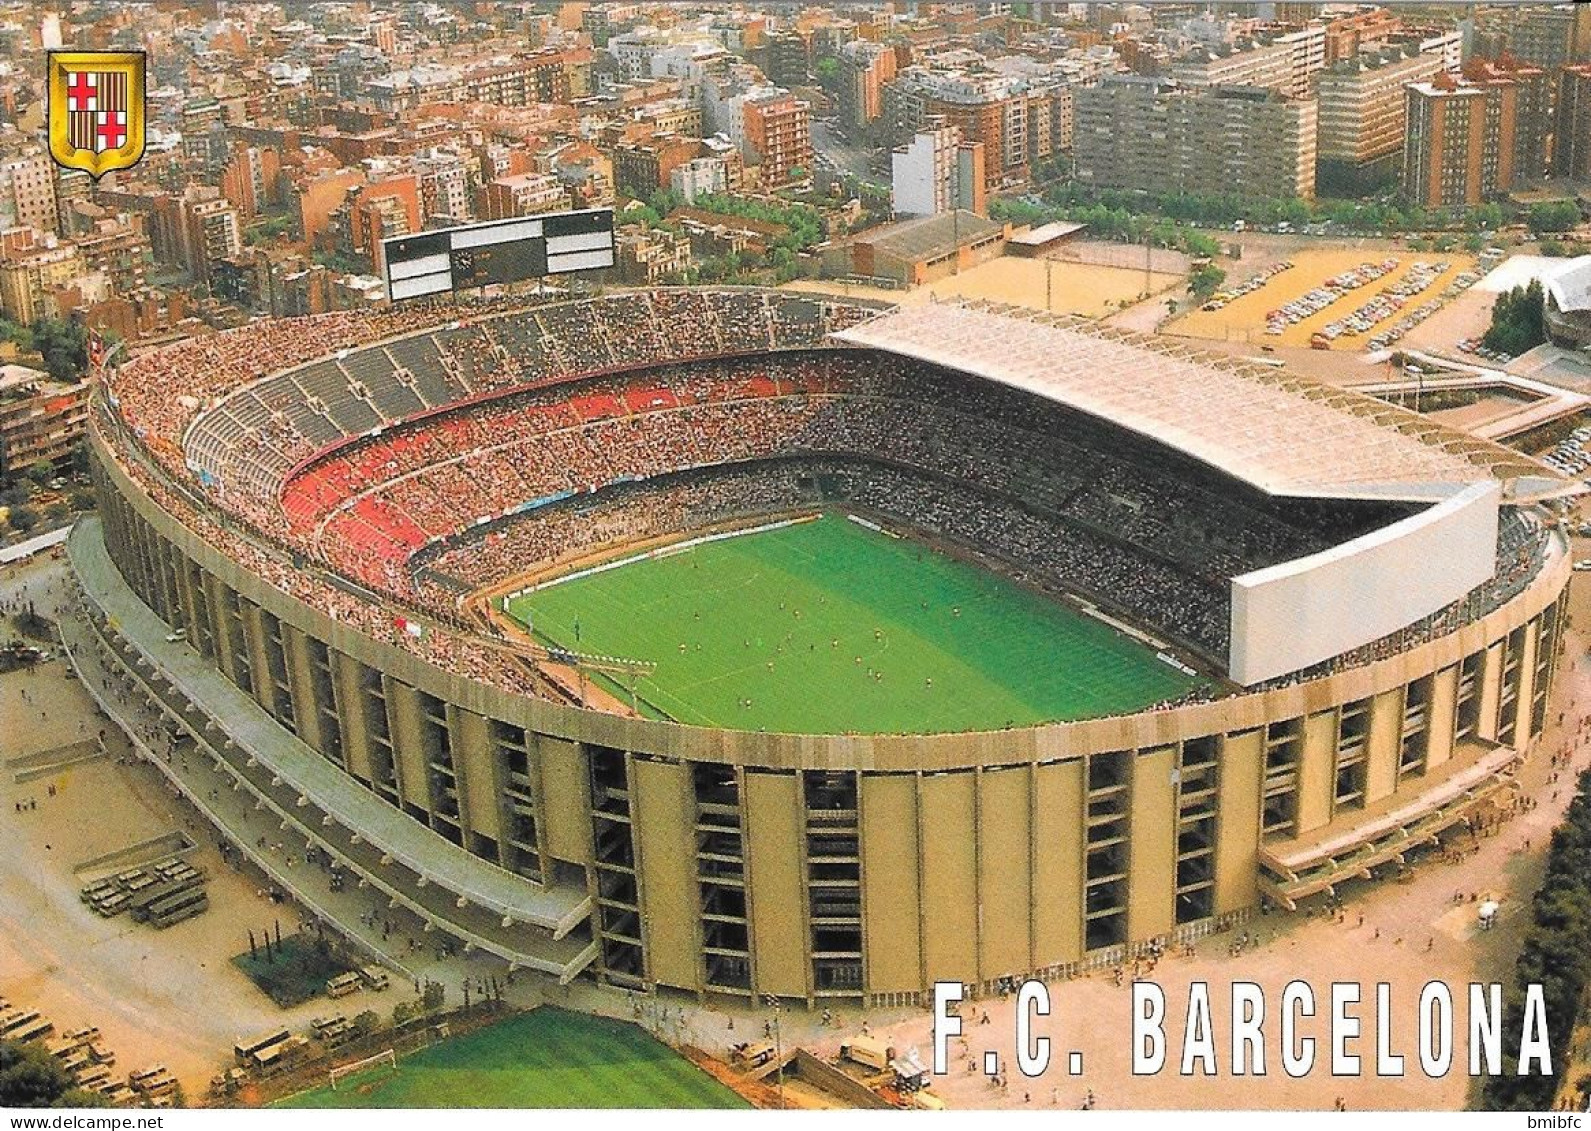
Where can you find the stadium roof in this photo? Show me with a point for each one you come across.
(1283, 434)
(1570, 287)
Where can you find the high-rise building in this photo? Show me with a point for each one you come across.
(40, 419)
(786, 58)
(1549, 37)
(1460, 145)
(211, 232)
(1571, 145)
(987, 107)
(1362, 108)
(866, 68)
(27, 193)
(778, 133)
(937, 171)
(1154, 135)
(1525, 95)
(1285, 63)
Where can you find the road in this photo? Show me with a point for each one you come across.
(839, 154)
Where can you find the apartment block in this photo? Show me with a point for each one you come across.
(1571, 148)
(938, 172)
(1362, 116)
(865, 70)
(1286, 63)
(778, 133)
(1241, 140)
(1453, 154)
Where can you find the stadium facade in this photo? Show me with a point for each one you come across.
(297, 520)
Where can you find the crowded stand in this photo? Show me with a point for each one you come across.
(417, 486)
(423, 452)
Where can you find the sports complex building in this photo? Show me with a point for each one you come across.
(758, 643)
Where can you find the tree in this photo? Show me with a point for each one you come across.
(41, 471)
(366, 1022)
(1553, 216)
(1557, 956)
(82, 500)
(1517, 321)
(23, 518)
(31, 1077)
(64, 346)
(432, 996)
(1204, 281)
(827, 70)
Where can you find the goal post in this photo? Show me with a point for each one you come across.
(385, 1056)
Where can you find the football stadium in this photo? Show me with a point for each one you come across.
(755, 643)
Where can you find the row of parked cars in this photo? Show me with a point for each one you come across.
(1312, 302)
(1573, 454)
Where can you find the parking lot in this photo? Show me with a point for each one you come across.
(1336, 298)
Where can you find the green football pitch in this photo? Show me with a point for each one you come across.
(547, 1058)
(827, 627)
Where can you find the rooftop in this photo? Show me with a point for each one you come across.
(1283, 434)
(929, 237)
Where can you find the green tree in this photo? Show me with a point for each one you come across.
(1517, 320)
(1553, 216)
(827, 70)
(1204, 281)
(30, 1077)
(64, 346)
(41, 471)
(433, 996)
(23, 518)
(1556, 955)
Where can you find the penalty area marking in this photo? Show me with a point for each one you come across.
(662, 552)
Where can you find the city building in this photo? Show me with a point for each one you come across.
(647, 256)
(987, 107)
(937, 172)
(701, 176)
(27, 193)
(524, 194)
(1362, 109)
(778, 135)
(641, 168)
(866, 69)
(1239, 140)
(1286, 63)
(40, 419)
(911, 252)
(1465, 142)
(1571, 145)
(32, 270)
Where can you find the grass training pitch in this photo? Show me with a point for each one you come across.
(547, 1058)
(827, 627)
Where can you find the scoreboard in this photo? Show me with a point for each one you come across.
(499, 251)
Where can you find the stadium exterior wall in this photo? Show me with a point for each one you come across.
(870, 866)
(1297, 614)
